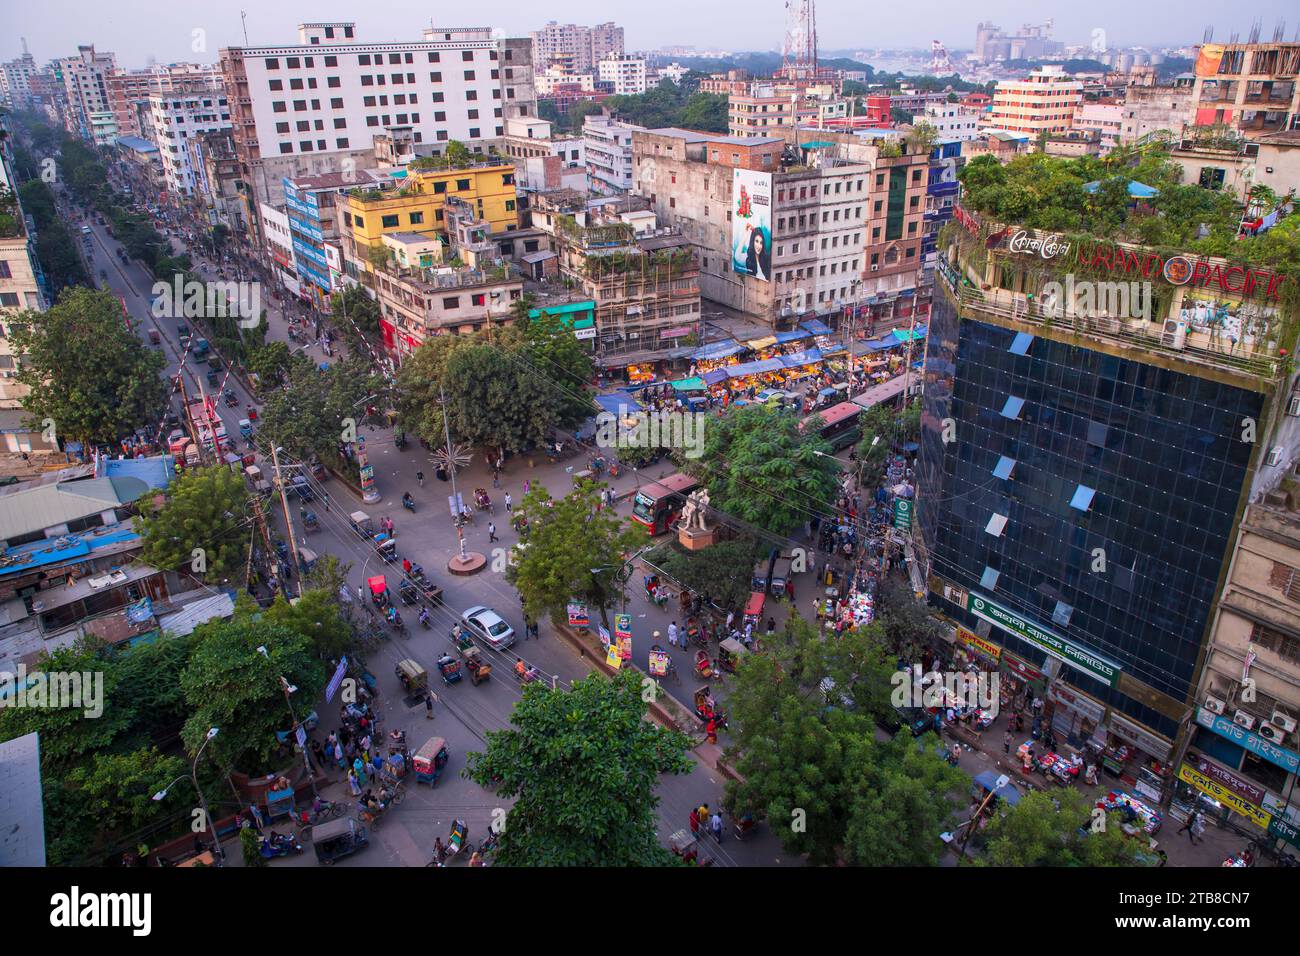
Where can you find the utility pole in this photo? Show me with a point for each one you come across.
(451, 473)
(288, 518)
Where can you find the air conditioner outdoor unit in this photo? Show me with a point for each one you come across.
(1270, 732)
(875, 268)
(1214, 705)
(1284, 720)
(1293, 406)
(1174, 334)
(1243, 719)
(1275, 455)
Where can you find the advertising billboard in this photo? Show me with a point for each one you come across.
(751, 223)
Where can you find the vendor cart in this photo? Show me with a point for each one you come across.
(430, 760)
(730, 653)
(413, 676)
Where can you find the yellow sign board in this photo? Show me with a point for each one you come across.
(971, 639)
(1232, 801)
(612, 656)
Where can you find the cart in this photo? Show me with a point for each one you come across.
(686, 845)
(412, 675)
(754, 608)
(730, 653)
(336, 839)
(703, 667)
(361, 524)
(479, 669)
(449, 668)
(430, 760)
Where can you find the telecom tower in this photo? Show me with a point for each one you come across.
(799, 51)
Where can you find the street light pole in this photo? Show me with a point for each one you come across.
(210, 823)
(451, 473)
(289, 689)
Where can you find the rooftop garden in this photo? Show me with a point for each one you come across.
(11, 221)
(1046, 192)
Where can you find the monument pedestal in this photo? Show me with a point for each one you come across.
(694, 539)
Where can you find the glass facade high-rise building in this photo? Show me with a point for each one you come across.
(1080, 483)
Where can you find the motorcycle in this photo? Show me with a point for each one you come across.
(395, 619)
(408, 503)
(424, 618)
(277, 845)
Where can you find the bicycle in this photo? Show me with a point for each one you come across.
(305, 820)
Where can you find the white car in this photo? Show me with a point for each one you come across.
(488, 626)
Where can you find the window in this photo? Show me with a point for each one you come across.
(462, 185)
(282, 127)
(510, 205)
(332, 82)
(451, 302)
(276, 85)
(473, 132)
(286, 147)
(363, 59)
(439, 116)
(472, 114)
(997, 523)
(9, 300)
(467, 56)
(1004, 468)
(437, 97)
(332, 61)
(278, 106)
(389, 222)
(1020, 344)
(1011, 408)
(478, 298)
(305, 146)
(989, 579)
(434, 57)
(1082, 500)
(440, 186)
(340, 122)
(469, 75)
(367, 80)
(341, 143)
(292, 63)
(368, 101)
(295, 83)
(416, 218)
(471, 95)
(1288, 648)
(1061, 615)
(336, 103)
(272, 63)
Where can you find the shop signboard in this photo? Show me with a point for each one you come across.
(1022, 670)
(903, 514)
(1228, 779)
(978, 644)
(1232, 801)
(1084, 706)
(1066, 651)
(1278, 756)
(1139, 737)
(751, 223)
(1281, 830)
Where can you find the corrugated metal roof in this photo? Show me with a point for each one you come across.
(35, 509)
(195, 613)
(22, 815)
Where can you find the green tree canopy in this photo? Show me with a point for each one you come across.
(1055, 829)
(112, 387)
(315, 616)
(205, 509)
(760, 468)
(582, 767)
(722, 571)
(575, 552)
(496, 399)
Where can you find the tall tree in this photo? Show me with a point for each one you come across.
(315, 615)
(575, 552)
(1056, 829)
(113, 385)
(582, 767)
(555, 354)
(201, 527)
(761, 468)
(496, 399)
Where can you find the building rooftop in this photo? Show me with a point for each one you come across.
(361, 177)
(25, 510)
(137, 144)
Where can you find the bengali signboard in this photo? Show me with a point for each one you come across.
(1278, 756)
(751, 223)
(1243, 788)
(977, 643)
(903, 514)
(1076, 655)
(1231, 800)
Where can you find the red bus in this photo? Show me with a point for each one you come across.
(840, 424)
(657, 506)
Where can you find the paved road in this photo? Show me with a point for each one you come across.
(465, 713)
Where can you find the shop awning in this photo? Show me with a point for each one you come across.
(989, 781)
(766, 341)
(695, 384)
(792, 336)
(618, 404)
(807, 357)
(718, 350)
(902, 335)
(714, 376)
(816, 327)
(881, 345)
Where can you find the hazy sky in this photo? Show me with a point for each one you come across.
(164, 29)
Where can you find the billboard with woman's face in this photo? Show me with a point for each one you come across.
(751, 223)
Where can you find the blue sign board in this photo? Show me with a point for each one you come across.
(1278, 756)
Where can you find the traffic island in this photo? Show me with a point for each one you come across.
(472, 563)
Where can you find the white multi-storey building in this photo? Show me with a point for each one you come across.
(177, 119)
(16, 80)
(574, 47)
(625, 73)
(85, 81)
(607, 144)
(954, 122)
(1106, 118)
(316, 106)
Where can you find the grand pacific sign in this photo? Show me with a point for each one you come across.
(1076, 655)
(1182, 270)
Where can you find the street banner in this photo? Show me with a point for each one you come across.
(578, 615)
(625, 648)
(623, 625)
(604, 634)
(658, 663)
(613, 658)
(336, 681)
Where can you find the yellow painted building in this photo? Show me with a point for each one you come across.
(418, 205)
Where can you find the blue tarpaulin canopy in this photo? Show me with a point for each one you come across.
(618, 404)
(695, 384)
(816, 327)
(794, 336)
(902, 334)
(714, 376)
(1136, 190)
(718, 350)
(989, 780)
(807, 357)
(881, 345)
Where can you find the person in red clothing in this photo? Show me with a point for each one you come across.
(694, 819)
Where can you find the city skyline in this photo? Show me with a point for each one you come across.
(169, 35)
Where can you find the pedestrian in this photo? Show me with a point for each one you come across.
(428, 705)
(527, 485)
(537, 634)
(1198, 827)
(492, 532)
(771, 626)
(693, 818)
(378, 764)
(1006, 742)
(731, 619)
(528, 627)
(789, 589)
(358, 765)
(1188, 824)
(496, 478)
(256, 814)
(509, 503)
(353, 783)
(715, 824)
(672, 634)
(821, 610)
(419, 477)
